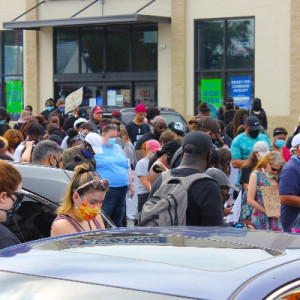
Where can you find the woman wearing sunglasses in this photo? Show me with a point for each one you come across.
(81, 205)
(264, 174)
(10, 201)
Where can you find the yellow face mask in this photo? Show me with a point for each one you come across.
(88, 213)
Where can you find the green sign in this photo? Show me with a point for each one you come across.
(14, 96)
(211, 93)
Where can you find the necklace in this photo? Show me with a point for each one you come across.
(79, 224)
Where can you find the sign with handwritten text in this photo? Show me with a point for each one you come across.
(270, 195)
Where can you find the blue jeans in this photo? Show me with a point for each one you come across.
(114, 204)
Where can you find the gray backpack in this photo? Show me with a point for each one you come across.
(168, 205)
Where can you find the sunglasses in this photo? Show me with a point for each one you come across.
(162, 127)
(19, 197)
(274, 169)
(97, 183)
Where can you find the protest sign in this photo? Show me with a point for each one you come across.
(73, 100)
(270, 195)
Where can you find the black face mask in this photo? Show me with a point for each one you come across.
(253, 133)
(257, 106)
(229, 105)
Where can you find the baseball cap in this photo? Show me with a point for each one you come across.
(220, 177)
(82, 112)
(116, 115)
(97, 109)
(296, 140)
(253, 122)
(153, 145)
(262, 148)
(140, 109)
(196, 142)
(210, 124)
(79, 121)
(95, 141)
(177, 127)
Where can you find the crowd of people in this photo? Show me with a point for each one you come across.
(113, 162)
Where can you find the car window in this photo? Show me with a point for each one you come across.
(172, 118)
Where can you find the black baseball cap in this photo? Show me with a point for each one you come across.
(253, 123)
(196, 142)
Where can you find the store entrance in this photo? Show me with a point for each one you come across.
(111, 94)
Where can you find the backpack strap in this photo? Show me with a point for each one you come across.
(186, 181)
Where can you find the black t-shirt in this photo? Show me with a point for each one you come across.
(7, 238)
(3, 128)
(136, 131)
(245, 175)
(144, 138)
(205, 207)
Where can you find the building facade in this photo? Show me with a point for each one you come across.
(170, 53)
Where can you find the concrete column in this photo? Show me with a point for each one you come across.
(295, 62)
(31, 61)
(178, 55)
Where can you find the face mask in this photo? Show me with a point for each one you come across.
(229, 105)
(279, 143)
(11, 213)
(49, 108)
(257, 106)
(62, 109)
(268, 175)
(2, 122)
(111, 141)
(82, 135)
(87, 154)
(253, 133)
(87, 213)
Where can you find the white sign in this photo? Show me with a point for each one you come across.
(236, 210)
(73, 100)
(111, 97)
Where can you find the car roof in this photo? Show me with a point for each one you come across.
(195, 262)
(48, 182)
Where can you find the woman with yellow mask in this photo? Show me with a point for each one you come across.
(81, 205)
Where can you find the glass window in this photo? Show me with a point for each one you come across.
(92, 95)
(92, 53)
(119, 96)
(13, 52)
(145, 94)
(210, 44)
(240, 44)
(67, 51)
(227, 47)
(118, 49)
(145, 50)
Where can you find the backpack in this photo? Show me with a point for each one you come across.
(168, 205)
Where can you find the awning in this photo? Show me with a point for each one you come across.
(118, 19)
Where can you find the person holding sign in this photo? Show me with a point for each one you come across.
(265, 202)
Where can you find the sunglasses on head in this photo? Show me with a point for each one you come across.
(95, 182)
